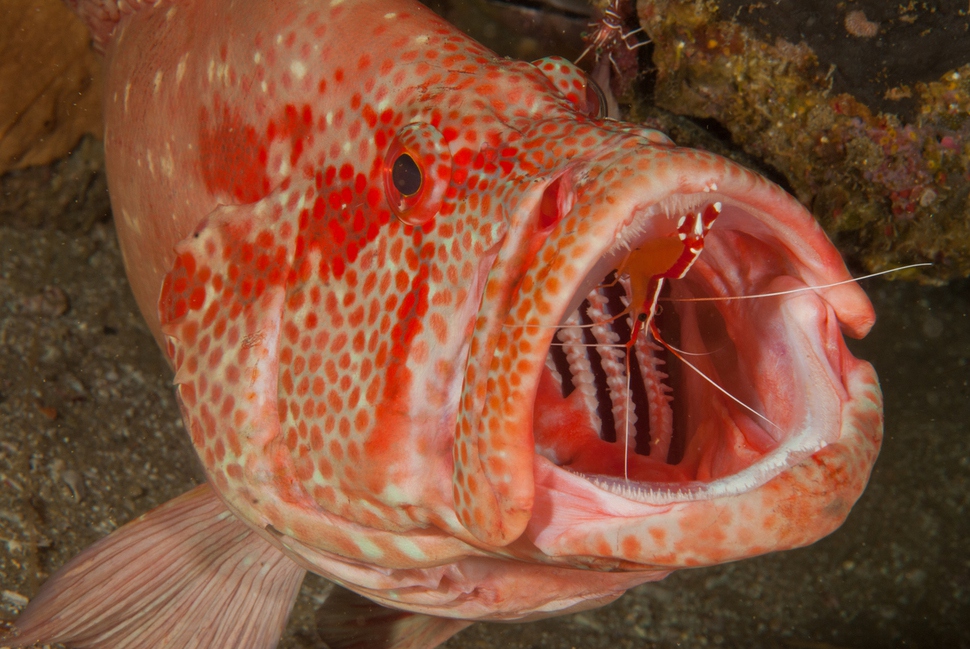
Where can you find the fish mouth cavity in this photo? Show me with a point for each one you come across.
(706, 412)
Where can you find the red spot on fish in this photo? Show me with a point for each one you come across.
(233, 157)
(229, 152)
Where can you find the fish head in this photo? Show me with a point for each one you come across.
(594, 213)
(438, 332)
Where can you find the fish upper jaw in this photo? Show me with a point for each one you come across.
(797, 394)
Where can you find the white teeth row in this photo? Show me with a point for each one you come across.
(637, 492)
(613, 360)
(553, 370)
(571, 337)
(612, 354)
(658, 396)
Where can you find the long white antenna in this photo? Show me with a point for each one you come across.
(794, 290)
(673, 350)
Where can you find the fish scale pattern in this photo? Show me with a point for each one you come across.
(370, 338)
(220, 309)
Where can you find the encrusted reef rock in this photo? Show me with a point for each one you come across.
(863, 108)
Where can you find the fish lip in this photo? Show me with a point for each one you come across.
(849, 307)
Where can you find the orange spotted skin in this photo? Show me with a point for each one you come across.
(342, 348)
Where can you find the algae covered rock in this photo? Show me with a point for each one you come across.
(864, 112)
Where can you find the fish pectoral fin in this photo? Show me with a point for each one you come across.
(350, 621)
(186, 574)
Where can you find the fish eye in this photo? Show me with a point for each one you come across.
(406, 175)
(417, 172)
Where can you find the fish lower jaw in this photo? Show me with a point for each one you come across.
(730, 395)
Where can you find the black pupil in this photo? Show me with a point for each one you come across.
(406, 175)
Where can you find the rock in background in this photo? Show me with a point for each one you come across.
(862, 109)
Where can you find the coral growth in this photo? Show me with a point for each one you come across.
(889, 190)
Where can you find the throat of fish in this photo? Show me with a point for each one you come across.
(683, 384)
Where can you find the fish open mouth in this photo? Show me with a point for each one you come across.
(714, 395)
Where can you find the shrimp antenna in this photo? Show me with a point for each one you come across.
(794, 290)
(676, 352)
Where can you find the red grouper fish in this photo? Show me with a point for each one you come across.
(422, 303)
